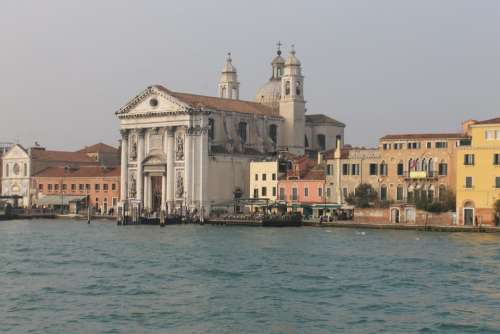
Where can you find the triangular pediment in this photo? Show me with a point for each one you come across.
(153, 100)
(16, 152)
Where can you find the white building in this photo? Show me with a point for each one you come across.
(194, 151)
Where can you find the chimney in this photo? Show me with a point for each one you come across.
(338, 147)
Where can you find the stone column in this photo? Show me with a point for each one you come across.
(188, 166)
(124, 167)
(140, 157)
(163, 193)
(147, 192)
(170, 168)
(205, 210)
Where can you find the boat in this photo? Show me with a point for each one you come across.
(288, 220)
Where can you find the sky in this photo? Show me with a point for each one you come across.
(381, 67)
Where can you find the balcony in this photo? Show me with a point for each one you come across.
(420, 175)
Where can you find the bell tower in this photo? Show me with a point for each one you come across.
(292, 105)
(229, 87)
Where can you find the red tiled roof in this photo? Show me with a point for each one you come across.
(91, 171)
(99, 148)
(41, 154)
(217, 103)
(315, 173)
(412, 136)
(323, 119)
(495, 120)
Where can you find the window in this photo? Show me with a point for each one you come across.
(469, 159)
(40, 187)
(264, 191)
(468, 182)
(113, 186)
(328, 192)
(443, 169)
(49, 187)
(274, 191)
(496, 159)
(345, 169)
(429, 144)
(56, 187)
(97, 187)
(383, 169)
(242, 132)
(256, 193)
(399, 193)
(321, 142)
(287, 88)
(400, 169)
(282, 194)
(373, 169)
(64, 187)
(355, 169)
(383, 193)
(73, 187)
(497, 181)
(398, 146)
(297, 88)
(306, 192)
(320, 192)
(80, 187)
(490, 134)
(441, 144)
(211, 129)
(273, 176)
(256, 177)
(273, 133)
(105, 187)
(87, 186)
(329, 169)
(344, 193)
(294, 194)
(386, 146)
(264, 177)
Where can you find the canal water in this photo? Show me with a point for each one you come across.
(69, 277)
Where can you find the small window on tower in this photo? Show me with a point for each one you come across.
(287, 88)
(298, 89)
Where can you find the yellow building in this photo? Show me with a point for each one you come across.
(478, 174)
(264, 180)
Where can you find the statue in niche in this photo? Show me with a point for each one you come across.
(133, 186)
(179, 184)
(179, 148)
(133, 149)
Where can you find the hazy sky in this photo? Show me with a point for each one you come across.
(385, 66)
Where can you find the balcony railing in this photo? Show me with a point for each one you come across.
(419, 175)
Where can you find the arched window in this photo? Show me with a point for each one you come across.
(383, 168)
(424, 165)
(273, 133)
(211, 129)
(298, 88)
(242, 132)
(287, 88)
(417, 164)
(430, 167)
(321, 142)
(410, 165)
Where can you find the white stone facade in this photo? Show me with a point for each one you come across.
(16, 175)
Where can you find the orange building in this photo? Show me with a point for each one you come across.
(58, 185)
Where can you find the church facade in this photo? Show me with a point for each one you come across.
(182, 150)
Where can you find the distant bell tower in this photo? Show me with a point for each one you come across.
(292, 105)
(229, 87)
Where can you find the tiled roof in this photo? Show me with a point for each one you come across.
(495, 120)
(99, 148)
(315, 173)
(217, 103)
(414, 136)
(41, 154)
(323, 119)
(91, 171)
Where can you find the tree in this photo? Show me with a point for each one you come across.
(364, 196)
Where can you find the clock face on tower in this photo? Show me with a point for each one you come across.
(16, 169)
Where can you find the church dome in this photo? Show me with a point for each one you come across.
(270, 93)
(292, 60)
(228, 66)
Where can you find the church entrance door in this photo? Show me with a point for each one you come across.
(156, 193)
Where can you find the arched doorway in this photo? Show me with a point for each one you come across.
(468, 213)
(395, 215)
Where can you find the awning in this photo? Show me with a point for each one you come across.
(59, 200)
